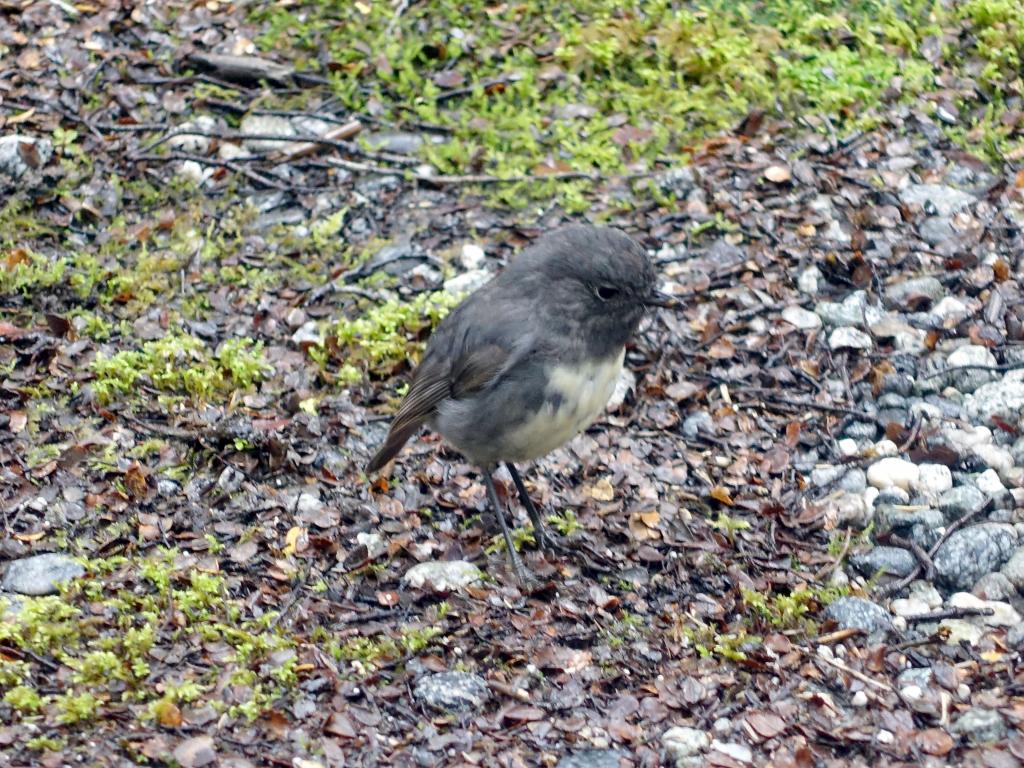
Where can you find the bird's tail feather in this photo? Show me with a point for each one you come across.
(396, 439)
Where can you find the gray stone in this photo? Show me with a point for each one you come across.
(442, 575)
(1015, 637)
(861, 430)
(592, 758)
(858, 613)
(266, 125)
(936, 230)
(958, 501)
(682, 742)
(467, 282)
(698, 422)
(969, 379)
(919, 676)
(456, 692)
(899, 294)
(398, 142)
(1003, 398)
(1013, 569)
(893, 561)
(892, 495)
(680, 181)
(980, 726)
(40, 574)
(972, 552)
(854, 481)
(855, 310)
(994, 586)
(825, 475)
(894, 518)
(936, 199)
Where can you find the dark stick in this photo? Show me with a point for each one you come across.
(512, 554)
(538, 525)
(896, 586)
(949, 613)
(922, 557)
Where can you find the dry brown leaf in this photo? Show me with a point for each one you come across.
(934, 741)
(338, 724)
(601, 490)
(764, 725)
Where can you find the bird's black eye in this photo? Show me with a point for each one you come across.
(606, 292)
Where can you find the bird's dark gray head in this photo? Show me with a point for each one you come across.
(597, 279)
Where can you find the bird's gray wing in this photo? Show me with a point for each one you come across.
(436, 380)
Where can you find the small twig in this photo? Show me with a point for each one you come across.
(838, 636)
(828, 569)
(259, 178)
(922, 557)
(481, 178)
(896, 586)
(850, 671)
(974, 367)
(915, 432)
(949, 613)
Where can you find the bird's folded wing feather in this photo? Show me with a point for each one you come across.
(435, 382)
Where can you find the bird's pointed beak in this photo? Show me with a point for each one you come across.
(658, 299)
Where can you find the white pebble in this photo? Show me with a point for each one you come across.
(994, 456)
(899, 624)
(848, 337)
(933, 479)
(860, 699)
(885, 448)
(885, 737)
(807, 282)
(472, 256)
(892, 472)
(1003, 614)
(988, 482)
(847, 447)
(950, 311)
(912, 693)
(963, 690)
(802, 318)
(963, 440)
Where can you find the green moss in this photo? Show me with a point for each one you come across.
(181, 364)
(383, 339)
(22, 271)
(791, 611)
(106, 647)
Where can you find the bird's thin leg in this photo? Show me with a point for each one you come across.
(500, 513)
(538, 525)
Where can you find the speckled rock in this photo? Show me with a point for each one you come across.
(972, 552)
(893, 561)
(455, 692)
(858, 613)
(980, 726)
(592, 758)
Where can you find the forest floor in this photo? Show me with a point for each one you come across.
(226, 230)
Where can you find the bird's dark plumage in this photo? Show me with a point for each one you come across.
(486, 367)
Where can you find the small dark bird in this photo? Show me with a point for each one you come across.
(531, 359)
